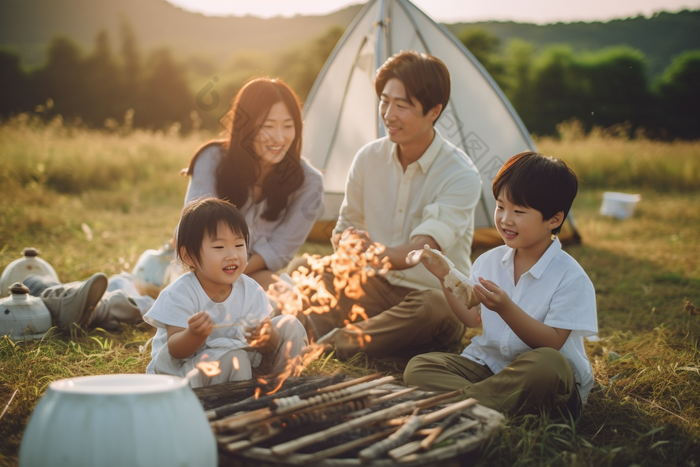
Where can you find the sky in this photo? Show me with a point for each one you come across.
(452, 11)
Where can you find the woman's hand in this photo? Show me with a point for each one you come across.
(200, 324)
(492, 296)
(433, 262)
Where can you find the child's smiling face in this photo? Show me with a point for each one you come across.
(224, 257)
(521, 227)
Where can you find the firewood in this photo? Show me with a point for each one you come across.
(446, 423)
(254, 404)
(398, 438)
(341, 448)
(384, 414)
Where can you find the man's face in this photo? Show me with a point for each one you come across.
(403, 118)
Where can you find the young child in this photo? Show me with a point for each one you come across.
(537, 303)
(215, 312)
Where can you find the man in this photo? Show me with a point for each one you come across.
(406, 190)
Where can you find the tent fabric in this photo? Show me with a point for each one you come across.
(341, 113)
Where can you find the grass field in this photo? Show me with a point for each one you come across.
(95, 201)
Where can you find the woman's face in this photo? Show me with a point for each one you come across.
(276, 135)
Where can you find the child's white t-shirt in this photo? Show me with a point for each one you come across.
(246, 303)
(555, 291)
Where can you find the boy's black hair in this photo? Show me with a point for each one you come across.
(202, 217)
(539, 182)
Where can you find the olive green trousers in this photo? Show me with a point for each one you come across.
(540, 379)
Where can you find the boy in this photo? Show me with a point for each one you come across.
(537, 303)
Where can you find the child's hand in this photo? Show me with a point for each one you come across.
(200, 324)
(433, 262)
(262, 337)
(492, 296)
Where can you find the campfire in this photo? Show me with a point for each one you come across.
(335, 421)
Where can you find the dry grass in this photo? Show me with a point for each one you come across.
(610, 159)
(644, 410)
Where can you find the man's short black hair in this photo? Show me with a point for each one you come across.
(539, 182)
(203, 217)
(424, 76)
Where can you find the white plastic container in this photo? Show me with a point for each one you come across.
(118, 420)
(619, 205)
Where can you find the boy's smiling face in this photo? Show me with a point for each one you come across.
(224, 257)
(523, 228)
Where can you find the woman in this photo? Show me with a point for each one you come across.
(260, 170)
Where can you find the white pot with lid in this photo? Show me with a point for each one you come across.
(19, 269)
(23, 316)
(133, 420)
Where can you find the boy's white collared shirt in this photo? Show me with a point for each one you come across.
(555, 291)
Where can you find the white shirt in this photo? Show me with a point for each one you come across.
(275, 241)
(555, 291)
(247, 303)
(435, 196)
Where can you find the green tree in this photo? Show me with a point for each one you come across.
(616, 87)
(679, 93)
(131, 66)
(62, 79)
(15, 85)
(557, 90)
(166, 99)
(485, 47)
(518, 66)
(103, 95)
(300, 66)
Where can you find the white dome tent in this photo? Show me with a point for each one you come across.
(341, 112)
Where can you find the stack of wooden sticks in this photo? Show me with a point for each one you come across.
(367, 420)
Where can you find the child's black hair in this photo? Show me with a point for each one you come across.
(202, 217)
(539, 182)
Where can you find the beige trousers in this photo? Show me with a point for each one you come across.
(401, 321)
(538, 379)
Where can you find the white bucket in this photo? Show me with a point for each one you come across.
(619, 205)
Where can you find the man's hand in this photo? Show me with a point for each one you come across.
(357, 240)
(263, 337)
(200, 324)
(433, 261)
(492, 296)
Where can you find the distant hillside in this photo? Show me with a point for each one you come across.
(660, 37)
(28, 25)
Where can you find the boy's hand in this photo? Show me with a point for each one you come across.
(200, 324)
(492, 296)
(263, 337)
(433, 262)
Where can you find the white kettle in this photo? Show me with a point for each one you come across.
(19, 269)
(23, 316)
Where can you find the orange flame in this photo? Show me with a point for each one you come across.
(236, 364)
(209, 368)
